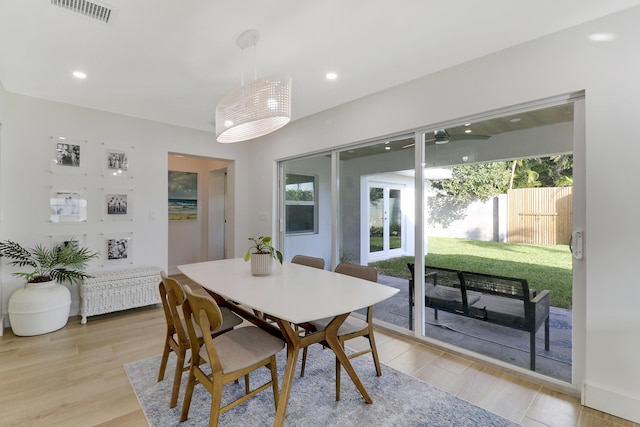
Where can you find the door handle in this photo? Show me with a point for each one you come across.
(576, 244)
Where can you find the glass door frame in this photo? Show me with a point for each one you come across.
(386, 251)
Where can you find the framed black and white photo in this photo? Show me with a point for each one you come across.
(63, 240)
(68, 155)
(116, 163)
(67, 206)
(116, 205)
(117, 249)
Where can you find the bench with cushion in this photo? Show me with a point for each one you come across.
(504, 301)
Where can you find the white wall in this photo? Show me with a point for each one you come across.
(27, 178)
(2, 115)
(561, 63)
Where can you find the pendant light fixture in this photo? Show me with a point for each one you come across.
(257, 108)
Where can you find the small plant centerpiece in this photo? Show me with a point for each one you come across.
(43, 304)
(262, 254)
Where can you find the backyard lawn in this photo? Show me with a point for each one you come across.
(544, 266)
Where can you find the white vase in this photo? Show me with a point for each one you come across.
(39, 308)
(261, 264)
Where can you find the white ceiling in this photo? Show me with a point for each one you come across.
(172, 61)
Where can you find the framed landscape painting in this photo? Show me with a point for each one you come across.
(183, 196)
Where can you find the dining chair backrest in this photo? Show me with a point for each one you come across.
(309, 261)
(204, 309)
(172, 296)
(361, 271)
(202, 312)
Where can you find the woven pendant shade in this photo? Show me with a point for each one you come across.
(254, 110)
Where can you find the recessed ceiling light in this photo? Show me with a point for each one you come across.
(79, 75)
(62, 137)
(515, 120)
(331, 76)
(467, 124)
(467, 131)
(387, 148)
(601, 37)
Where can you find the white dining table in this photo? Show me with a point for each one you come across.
(293, 294)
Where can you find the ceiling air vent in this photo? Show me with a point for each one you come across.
(90, 9)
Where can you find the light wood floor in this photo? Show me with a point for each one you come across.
(75, 377)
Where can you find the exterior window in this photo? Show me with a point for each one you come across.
(301, 204)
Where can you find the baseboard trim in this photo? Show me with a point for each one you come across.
(611, 402)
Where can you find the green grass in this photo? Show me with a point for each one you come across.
(544, 266)
(375, 243)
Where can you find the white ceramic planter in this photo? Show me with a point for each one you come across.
(261, 264)
(39, 308)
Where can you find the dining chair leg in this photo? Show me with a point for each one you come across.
(177, 378)
(247, 386)
(374, 350)
(187, 397)
(337, 379)
(165, 358)
(304, 361)
(216, 400)
(274, 380)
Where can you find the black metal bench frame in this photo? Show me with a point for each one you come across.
(464, 297)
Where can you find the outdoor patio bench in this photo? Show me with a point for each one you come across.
(500, 300)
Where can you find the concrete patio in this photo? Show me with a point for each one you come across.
(499, 342)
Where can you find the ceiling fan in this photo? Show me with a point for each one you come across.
(441, 136)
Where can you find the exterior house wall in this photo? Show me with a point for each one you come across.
(476, 220)
(314, 244)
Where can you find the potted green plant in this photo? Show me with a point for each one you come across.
(43, 304)
(262, 254)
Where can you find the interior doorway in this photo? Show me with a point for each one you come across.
(201, 235)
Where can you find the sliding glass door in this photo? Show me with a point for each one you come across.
(483, 187)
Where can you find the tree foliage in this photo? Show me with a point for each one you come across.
(553, 171)
(299, 195)
(479, 180)
(485, 180)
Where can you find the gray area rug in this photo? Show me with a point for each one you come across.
(398, 399)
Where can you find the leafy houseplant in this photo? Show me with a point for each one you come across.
(262, 254)
(60, 263)
(262, 245)
(43, 304)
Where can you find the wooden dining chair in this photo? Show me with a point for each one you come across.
(309, 261)
(230, 356)
(352, 327)
(177, 337)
